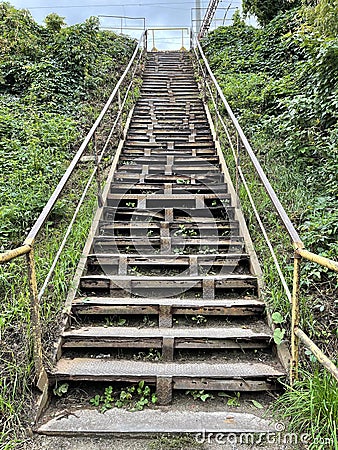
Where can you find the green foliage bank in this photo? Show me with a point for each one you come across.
(54, 81)
(281, 80)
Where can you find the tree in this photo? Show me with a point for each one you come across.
(54, 22)
(266, 10)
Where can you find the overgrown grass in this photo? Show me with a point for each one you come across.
(16, 388)
(310, 407)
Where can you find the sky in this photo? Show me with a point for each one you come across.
(158, 13)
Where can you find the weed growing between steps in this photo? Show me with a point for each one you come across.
(133, 398)
(175, 442)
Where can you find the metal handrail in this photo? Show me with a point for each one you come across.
(269, 189)
(123, 17)
(300, 252)
(59, 188)
(28, 247)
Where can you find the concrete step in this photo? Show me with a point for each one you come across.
(120, 422)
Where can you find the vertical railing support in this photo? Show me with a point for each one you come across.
(238, 162)
(98, 173)
(145, 42)
(204, 85)
(295, 319)
(216, 116)
(119, 103)
(40, 373)
(153, 34)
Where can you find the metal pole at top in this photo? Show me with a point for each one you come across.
(198, 15)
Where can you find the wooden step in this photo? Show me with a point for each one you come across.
(210, 179)
(166, 308)
(169, 376)
(167, 260)
(124, 213)
(168, 245)
(166, 339)
(134, 283)
(158, 188)
(168, 286)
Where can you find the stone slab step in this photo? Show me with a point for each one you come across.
(120, 422)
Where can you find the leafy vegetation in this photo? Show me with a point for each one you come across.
(134, 398)
(281, 80)
(54, 81)
(199, 395)
(266, 10)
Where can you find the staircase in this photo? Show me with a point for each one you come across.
(168, 273)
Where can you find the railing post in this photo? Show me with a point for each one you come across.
(295, 319)
(216, 115)
(40, 373)
(145, 42)
(98, 173)
(119, 102)
(238, 162)
(154, 48)
(204, 85)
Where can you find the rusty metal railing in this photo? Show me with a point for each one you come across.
(116, 104)
(211, 89)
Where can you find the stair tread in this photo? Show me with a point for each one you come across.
(170, 277)
(107, 301)
(167, 258)
(219, 333)
(184, 195)
(152, 421)
(96, 367)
